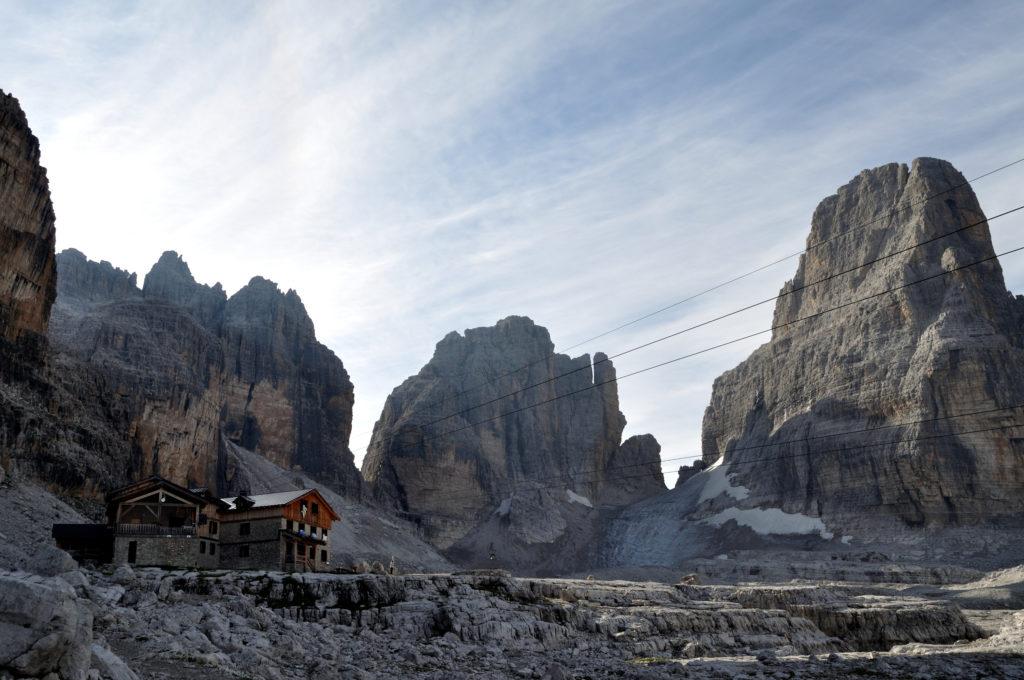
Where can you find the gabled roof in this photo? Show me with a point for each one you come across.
(156, 483)
(273, 500)
(268, 500)
(152, 484)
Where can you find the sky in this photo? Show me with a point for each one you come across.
(416, 168)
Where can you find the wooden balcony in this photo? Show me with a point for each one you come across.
(302, 564)
(154, 530)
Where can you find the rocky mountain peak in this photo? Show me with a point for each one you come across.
(914, 361)
(448, 449)
(171, 280)
(248, 369)
(263, 309)
(80, 278)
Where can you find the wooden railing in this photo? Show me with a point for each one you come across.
(154, 530)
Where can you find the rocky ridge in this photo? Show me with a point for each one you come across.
(513, 486)
(897, 370)
(189, 364)
(484, 625)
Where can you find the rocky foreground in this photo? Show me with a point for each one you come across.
(152, 623)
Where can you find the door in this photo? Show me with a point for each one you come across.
(133, 549)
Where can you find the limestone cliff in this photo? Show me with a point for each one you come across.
(188, 364)
(894, 370)
(527, 479)
(28, 279)
(56, 421)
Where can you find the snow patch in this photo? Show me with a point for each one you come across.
(719, 481)
(504, 508)
(846, 540)
(576, 498)
(767, 521)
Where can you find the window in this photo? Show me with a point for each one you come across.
(323, 555)
(243, 551)
(291, 525)
(244, 529)
(316, 509)
(202, 547)
(312, 552)
(133, 551)
(302, 527)
(213, 548)
(325, 534)
(213, 527)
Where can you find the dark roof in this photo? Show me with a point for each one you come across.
(156, 483)
(273, 500)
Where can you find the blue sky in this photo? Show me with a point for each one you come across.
(416, 168)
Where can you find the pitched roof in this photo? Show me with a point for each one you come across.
(273, 500)
(269, 500)
(151, 484)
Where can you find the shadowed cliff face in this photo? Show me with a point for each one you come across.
(189, 364)
(949, 346)
(27, 275)
(56, 421)
(475, 478)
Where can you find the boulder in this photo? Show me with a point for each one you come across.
(43, 627)
(51, 561)
(109, 665)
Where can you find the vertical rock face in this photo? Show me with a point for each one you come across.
(189, 364)
(56, 421)
(27, 275)
(285, 394)
(482, 478)
(901, 366)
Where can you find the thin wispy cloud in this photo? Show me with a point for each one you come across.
(412, 169)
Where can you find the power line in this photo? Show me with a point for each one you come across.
(717, 346)
(531, 486)
(561, 481)
(804, 440)
(888, 214)
(722, 317)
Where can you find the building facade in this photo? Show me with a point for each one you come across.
(287, 531)
(161, 524)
